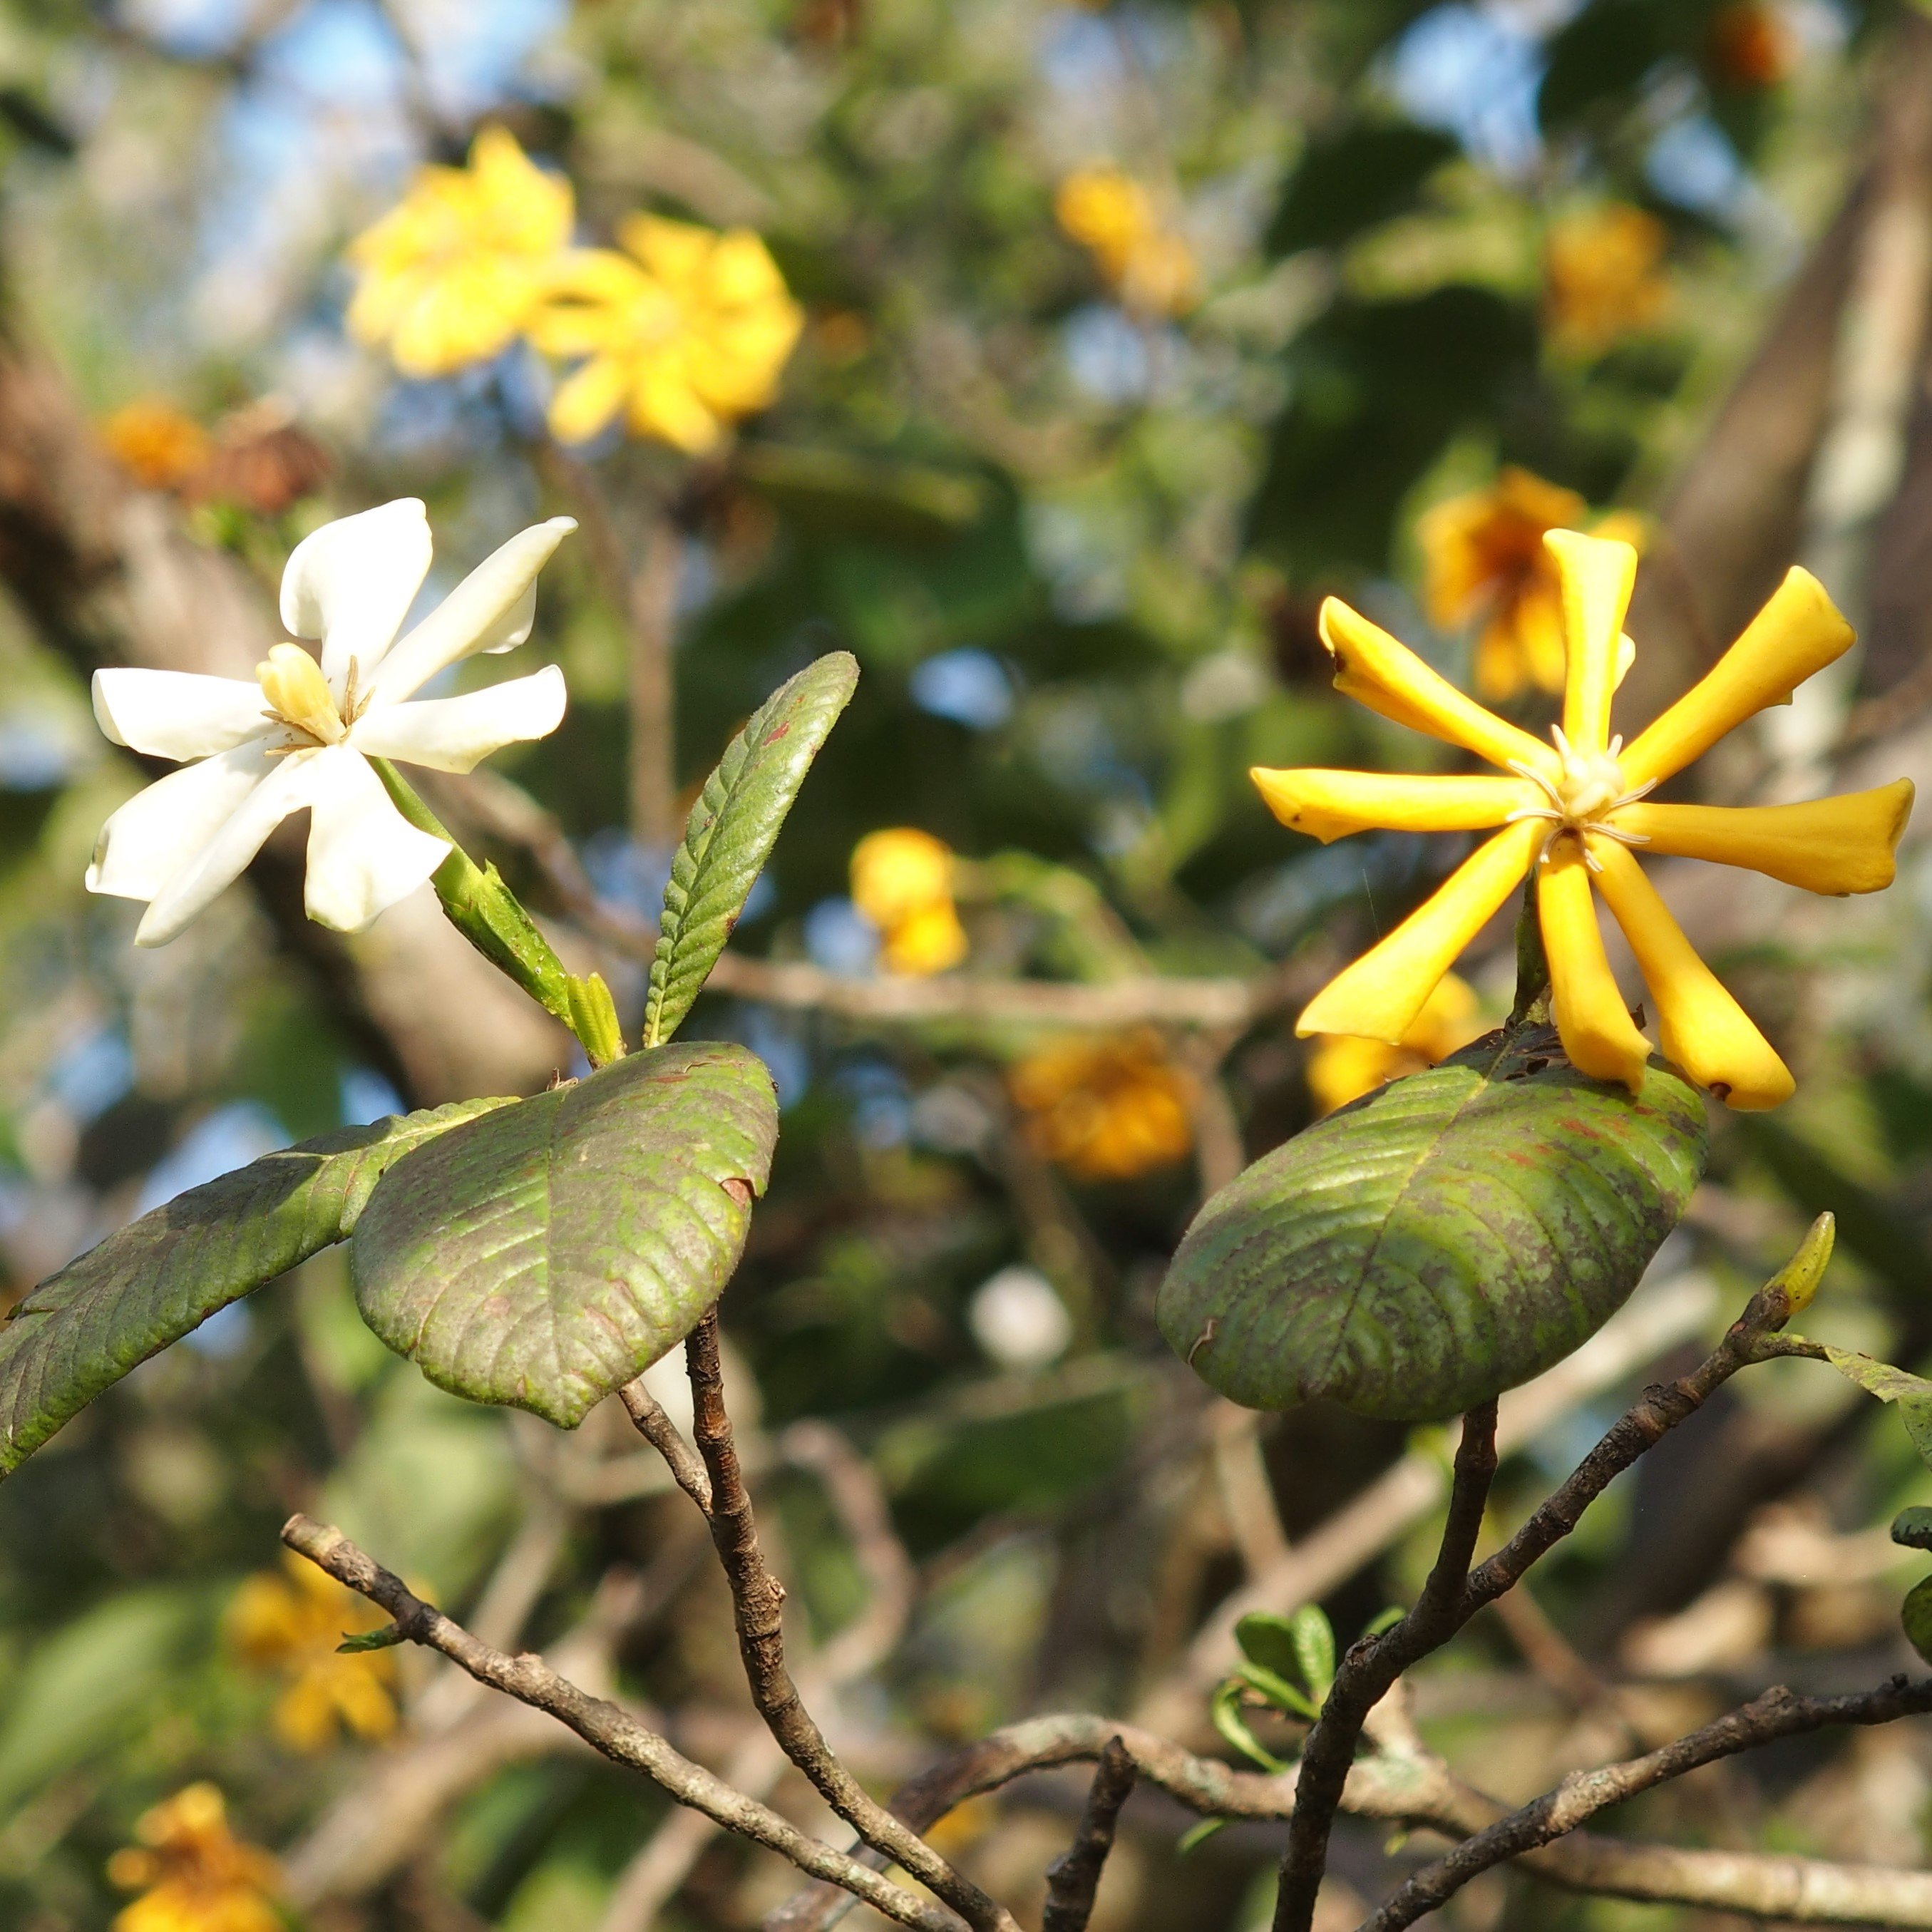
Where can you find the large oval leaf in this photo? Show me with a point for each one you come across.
(146, 1286)
(732, 829)
(543, 1256)
(1445, 1238)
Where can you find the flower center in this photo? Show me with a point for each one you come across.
(1588, 788)
(298, 695)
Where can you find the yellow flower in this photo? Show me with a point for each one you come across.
(1113, 218)
(683, 334)
(1573, 809)
(1106, 1109)
(1602, 276)
(291, 1623)
(449, 277)
(1484, 556)
(902, 882)
(193, 1875)
(160, 446)
(1345, 1066)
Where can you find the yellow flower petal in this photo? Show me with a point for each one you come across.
(1798, 631)
(1380, 995)
(1596, 573)
(1372, 668)
(1596, 1026)
(1330, 804)
(1699, 1024)
(1836, 845)
(587, 401)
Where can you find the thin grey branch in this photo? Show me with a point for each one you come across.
(1073, 1879)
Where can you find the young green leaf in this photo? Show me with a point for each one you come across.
(731, 831)
(1916, 1613)
(545, 1260)
(1314, 1640)
(1225, 1709)
(1199, 1834)
(1912, 1394)
(82, 1330)
(1276, 1688)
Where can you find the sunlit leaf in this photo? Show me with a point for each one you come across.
(731, 831)
(544, 1255)
(1447, 1237)
(151, 1281)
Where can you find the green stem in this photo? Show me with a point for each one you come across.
(492, 918)
(1532, 964)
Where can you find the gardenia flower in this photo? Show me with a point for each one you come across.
(1483, 557)
(1114, 218)
(1105, 1109)
(1343, 1067)
(301, 736)
(1573, 809)
(292, 1624)
(193, 1873)
(1603, 276)
(682, 334)
(902, 882)
(449, 276)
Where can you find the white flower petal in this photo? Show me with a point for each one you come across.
(286, 788)
(491, 609)
(455, 734)
(179, 714)
(363, 854)
(161, 832)
(351, 584)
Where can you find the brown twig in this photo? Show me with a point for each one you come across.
(1073, 1879)
(1776, 1714)
(610, 1729)
(758, 1604)
(686, 1467)
(1372, 1665)
(1404, 1786)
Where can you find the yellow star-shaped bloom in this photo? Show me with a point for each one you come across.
(449, 276)
(683, 333)
(1573, 809)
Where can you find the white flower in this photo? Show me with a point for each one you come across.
(303, 734)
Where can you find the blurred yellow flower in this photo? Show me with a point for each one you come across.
(683, 334)
(1114, 218)
(1603, 276)
(1105, 1109)
(160, 446)
(1570, 810)
(902, 882)
(193, 1875)
(1483, 557)
(450, 276)
(290, 1622)
(1344, 1066)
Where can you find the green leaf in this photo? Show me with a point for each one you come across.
(1225, 1709)
(1445, 1238)
(544, 1255)
(1350, 180)
(1912, 1395)
(386, 1638)
(1199, 1834)
(148, 1285)
(1383, 1620)
(1299, 1649)
(1276, 1689)
(1916, 1613)
(1913, 1528)
(732, 829)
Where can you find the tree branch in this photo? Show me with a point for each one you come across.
(757, 1605)
(1372, 1665)
(1073, 1879)
(604, 1726)
(1776, 1714)
(1409, 1786)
